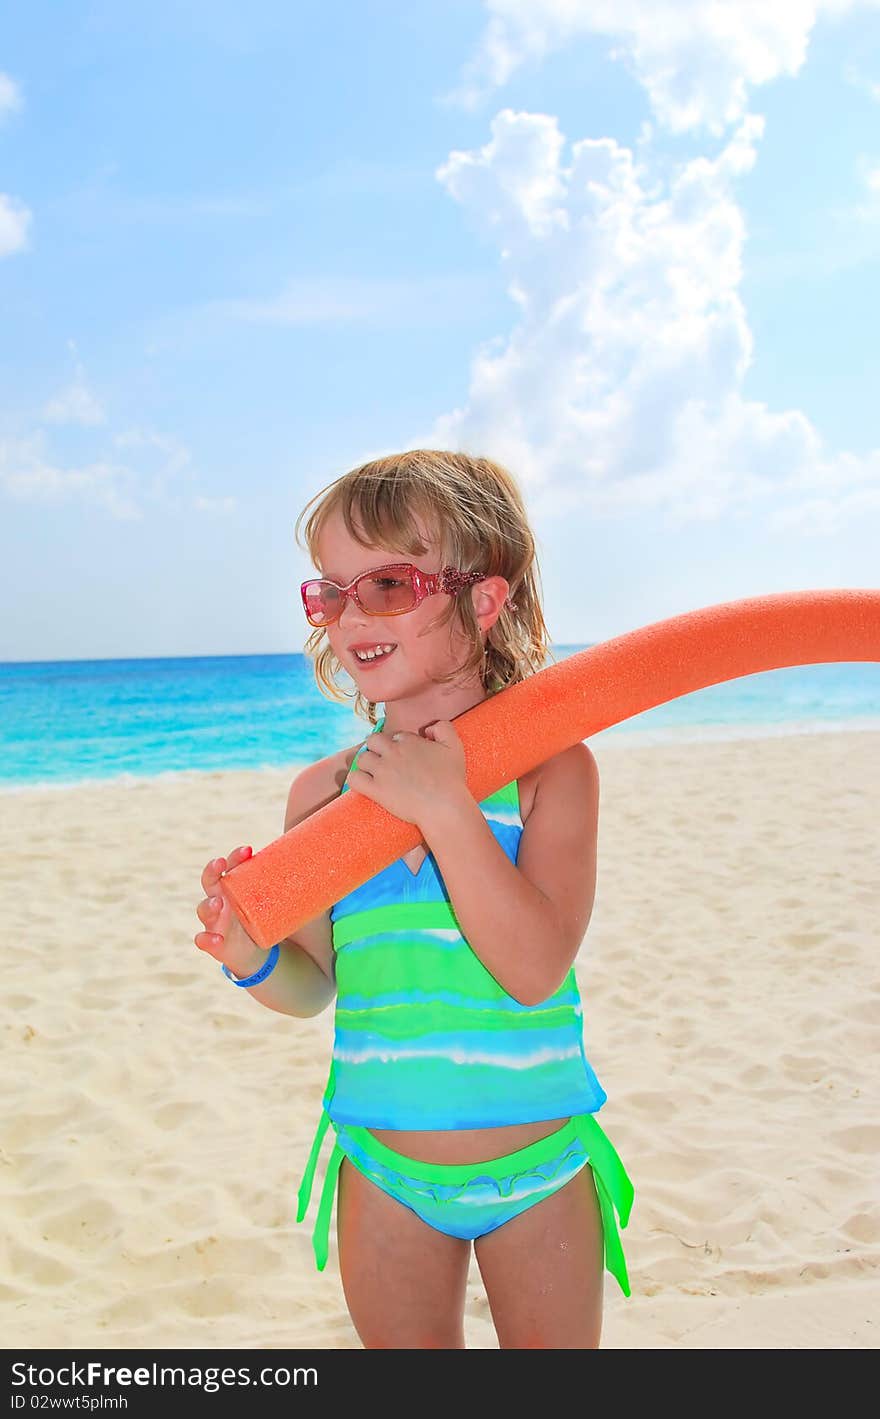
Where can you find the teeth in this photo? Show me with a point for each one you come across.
(371, 654)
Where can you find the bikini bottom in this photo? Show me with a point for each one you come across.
(470, 1199)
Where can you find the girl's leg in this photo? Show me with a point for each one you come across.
(404, 1282)
(543, 1271)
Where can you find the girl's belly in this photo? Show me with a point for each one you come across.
(465, 1145)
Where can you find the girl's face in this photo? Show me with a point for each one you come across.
(418, 652)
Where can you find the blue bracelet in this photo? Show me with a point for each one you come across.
(266, 969)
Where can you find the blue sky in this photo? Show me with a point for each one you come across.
(630, 250)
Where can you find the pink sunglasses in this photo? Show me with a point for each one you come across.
(390, 590)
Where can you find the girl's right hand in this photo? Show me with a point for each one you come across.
(224, 938)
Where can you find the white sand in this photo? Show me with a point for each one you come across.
(156, 1121)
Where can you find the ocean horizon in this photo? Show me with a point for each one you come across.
(70, 722)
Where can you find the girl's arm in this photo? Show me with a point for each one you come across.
(303, 982)
(526, 921)
(297, 986)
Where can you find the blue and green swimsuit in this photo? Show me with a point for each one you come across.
(427, 1039)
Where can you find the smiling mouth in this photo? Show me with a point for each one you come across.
(372, 658)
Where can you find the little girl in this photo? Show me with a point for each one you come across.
(462, 1101)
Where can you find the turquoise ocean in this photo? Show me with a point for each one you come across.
(69, 722)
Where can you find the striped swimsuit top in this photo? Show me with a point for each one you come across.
(425, 1037)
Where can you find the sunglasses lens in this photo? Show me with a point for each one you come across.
(322, 602)
(380, 593)
(386, 593)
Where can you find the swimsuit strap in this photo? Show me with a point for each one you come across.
(376, 730)
(321, 1234)
(614, 1188)
(305, 1187)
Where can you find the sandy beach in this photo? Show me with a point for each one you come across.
(156, 1121)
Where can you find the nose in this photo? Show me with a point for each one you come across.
(351, 614)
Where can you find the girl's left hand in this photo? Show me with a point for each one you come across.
(411, 776)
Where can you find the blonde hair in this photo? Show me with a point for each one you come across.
(475, 511)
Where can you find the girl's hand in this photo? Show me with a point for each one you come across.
(411, 776)
(224, 938)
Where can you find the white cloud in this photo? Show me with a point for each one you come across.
(15, 219)
(215, 507)
(850, 234)
(175, 453)
(75, 404)
(619, 386)
(144, 466)
(823, 517)
(160, 473)
(696, 60)
(869, 175)
(869, 86)
(319, 300)
(10, 95)
(394, 302)
(28, 473)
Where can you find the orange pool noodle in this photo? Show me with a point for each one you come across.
(299, 875)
